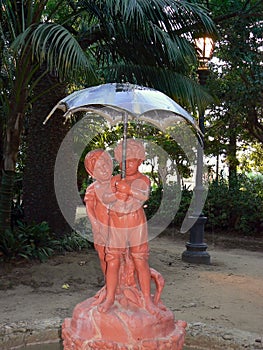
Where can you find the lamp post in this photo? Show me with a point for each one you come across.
(196, 248)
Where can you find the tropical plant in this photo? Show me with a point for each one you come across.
(11, 246)
(73, 242)
(40, 242)
(149, 43)
(29, 242)
(141, 39)
(26, 43)
(37, 242)
(251, 158)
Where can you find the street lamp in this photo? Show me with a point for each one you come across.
(196, 248)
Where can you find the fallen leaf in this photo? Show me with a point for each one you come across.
(65, 286)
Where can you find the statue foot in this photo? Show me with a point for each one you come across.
(150, 307)
(106, 305)
(99, 297)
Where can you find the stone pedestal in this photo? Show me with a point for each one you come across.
(124, 327)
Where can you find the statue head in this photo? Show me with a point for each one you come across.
(98, 164)
(135, 150)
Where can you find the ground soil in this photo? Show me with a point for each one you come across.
(228, 293)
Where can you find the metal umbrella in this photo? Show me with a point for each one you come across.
(121, 102)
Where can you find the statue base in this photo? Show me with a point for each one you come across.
(125, 326)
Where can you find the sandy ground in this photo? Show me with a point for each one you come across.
(229, 292)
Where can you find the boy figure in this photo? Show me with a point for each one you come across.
(99, 166)
(128, 225)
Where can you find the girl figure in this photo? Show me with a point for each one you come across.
(99, 166)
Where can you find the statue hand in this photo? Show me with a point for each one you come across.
(123, 187)
(121, 196)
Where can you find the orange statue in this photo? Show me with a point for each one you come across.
(128, 225)
(123, 315)
(98, 164)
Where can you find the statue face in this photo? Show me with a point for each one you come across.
(102, 169)
(132, 165)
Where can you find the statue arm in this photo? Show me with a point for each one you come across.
(109, 196)
(142, 191)
(90, 201)
(139, 189)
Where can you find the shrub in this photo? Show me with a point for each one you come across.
(183, 207)
(11, 245)
(73, 242)
(28, 241)
(153, 203)
(217, 205)
(37, 242)
(239, 208)
(172, 207)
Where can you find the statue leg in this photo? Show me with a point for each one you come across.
(112, 279)
(101, 253)
(140, 256)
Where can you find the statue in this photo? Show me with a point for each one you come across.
(124, 314)
(98, 165)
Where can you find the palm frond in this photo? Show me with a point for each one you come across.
(53, 44)
(182, 89)
(180, 17)
(177, 49)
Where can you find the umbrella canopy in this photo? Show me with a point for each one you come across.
(120, 103)
(114, 100)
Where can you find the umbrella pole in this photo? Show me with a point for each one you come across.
(124, 145)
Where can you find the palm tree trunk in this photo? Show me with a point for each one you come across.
(6, 195)
(1, 146)
(43, 143)
(10, 151)
(11, 145)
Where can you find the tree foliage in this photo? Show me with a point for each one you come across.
(240, 24)
(236, 121)
(146, 43)
(76, 38)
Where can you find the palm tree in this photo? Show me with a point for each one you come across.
(20, 23)
(148, 43)
(125, 40)
(128, 42)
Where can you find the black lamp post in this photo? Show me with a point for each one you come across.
(196, 248)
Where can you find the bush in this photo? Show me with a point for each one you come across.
(238, 209)
(37, 242)
(73, 242)
(153, 203)
(12, 245)
(183, 207)
(217, 205)
(170, 206)
(28, 241)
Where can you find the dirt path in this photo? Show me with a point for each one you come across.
(227, 293)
